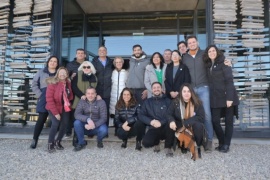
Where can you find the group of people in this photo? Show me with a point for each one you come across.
(152, 100)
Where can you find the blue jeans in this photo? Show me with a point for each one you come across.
(204, 95)
(80, 130)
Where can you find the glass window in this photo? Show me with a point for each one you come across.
(72, 30)
(153, 31)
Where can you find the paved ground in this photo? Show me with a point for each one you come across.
(247, 159)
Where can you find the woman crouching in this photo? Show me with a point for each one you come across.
(126, 116)
(185, 112)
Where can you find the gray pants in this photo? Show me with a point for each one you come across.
(62, 125)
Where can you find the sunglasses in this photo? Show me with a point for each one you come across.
(84, 67)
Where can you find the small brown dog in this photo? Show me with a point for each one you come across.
(186, 138)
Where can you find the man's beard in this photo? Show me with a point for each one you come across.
(138, 56)
(158, 95)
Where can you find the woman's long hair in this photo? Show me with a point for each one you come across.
(47, 63)
(161, 60)
(121, 103)
(194, 98)
(206, 58)
(55, 79)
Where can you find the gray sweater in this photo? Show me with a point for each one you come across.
(136, 72)
(196, 68)
(97, 109)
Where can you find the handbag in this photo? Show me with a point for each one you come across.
(75, 140)
(205, 138)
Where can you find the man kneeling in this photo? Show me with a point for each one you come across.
(91, 117)
(154, 115)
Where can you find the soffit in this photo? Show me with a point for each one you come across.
(123, 6)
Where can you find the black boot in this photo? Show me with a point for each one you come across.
(138, 145)
(225, 148)
(219, 147)
(124, 144)
(58, 145)
(199, 153)
(51, 147)
(34, 144)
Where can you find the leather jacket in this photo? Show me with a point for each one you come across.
(125, 114)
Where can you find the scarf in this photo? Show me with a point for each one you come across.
(66, 101)
(186, 112)
(186, 137)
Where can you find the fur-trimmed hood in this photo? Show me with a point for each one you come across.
(53, 80)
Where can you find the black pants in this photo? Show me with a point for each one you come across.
(170, 134)
(55, 124)
(42, 117)
(140, 128)
(223, 138)
(107, 101)
(153, 136)
(124, 135)
(70, 122)
(197, 129)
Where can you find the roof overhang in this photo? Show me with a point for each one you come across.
(127, 6)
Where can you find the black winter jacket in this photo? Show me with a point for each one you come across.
(182, 76)
(104, 76)
(221, 84)
(126, 114)
(174, 114)
(73, 66)
(154, 108)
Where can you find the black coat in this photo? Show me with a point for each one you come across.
(154, 108)
(73, 66)
(221, 84)
(104, 76)
(182, 76)
(92, 79)
(174, 114)
(125, 114)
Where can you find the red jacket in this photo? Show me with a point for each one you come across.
(54, 97)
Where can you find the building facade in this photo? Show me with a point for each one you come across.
(32, 30)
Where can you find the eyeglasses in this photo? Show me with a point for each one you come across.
(86, 67)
